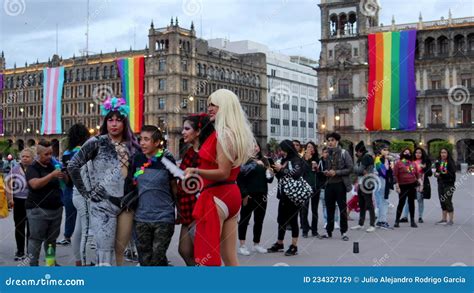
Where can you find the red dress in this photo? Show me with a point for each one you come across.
(207, 239)
(186, 201)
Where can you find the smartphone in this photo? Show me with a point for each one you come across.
(271, 162)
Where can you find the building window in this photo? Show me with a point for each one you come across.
(343, 86)
(184, 103)
(356, 52)
(466, 81)
(202, 106)
(162, 84)
(435, 84)
(184, 65)
(161, 103)
(343, 119)
(162, 65)
(273, 72)
(443, 45)
(185, 85)
(330, 54)
(466, 113)
(436, 114)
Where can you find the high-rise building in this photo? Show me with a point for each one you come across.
(291, 91)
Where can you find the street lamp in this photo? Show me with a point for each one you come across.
(91, 131)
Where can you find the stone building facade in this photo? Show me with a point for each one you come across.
(180, 73)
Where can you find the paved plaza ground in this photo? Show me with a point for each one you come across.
(427, 245)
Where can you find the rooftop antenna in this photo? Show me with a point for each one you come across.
(57, 39)
(201, 26)
(134, 37)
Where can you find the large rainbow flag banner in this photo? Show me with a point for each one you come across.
(132, 73)
(1, 108)
(391, 89)
(53, 82)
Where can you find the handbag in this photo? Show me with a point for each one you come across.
(298, 190)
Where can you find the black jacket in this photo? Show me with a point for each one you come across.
(252, 179)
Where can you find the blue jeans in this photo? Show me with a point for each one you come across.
(421, 206)
(71, 212)
(381, 202)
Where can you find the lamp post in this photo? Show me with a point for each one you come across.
(22, 110)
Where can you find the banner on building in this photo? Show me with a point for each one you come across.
(391, 100)
(53, 81)
(132, 74)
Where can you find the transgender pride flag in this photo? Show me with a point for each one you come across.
(52, 94)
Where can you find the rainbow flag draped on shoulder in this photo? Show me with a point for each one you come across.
(52, 96)
(132, 73)
(391, 89)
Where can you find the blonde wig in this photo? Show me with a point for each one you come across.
(234, 132)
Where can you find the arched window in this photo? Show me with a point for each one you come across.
(459, 44)
(352, 23)
(470, 42)
(333, 24)
(342, 24)
(429, 47)
(443, 46)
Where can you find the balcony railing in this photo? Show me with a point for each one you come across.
(342, 96)
(436, 92)
(436, 125)
(464, 125)
(343, 128)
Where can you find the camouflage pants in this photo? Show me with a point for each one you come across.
(153, 242)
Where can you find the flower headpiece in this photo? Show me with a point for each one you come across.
(201, 117)
(114, 104)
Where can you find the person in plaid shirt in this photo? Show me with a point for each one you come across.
(196, 129)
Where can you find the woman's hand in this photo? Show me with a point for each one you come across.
(190, 172)
(277, 167)
(397, 188)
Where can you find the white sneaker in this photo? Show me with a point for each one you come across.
(243, 250)
(336, 226)
(325, 224)
(259, 249)
(358, 227)
(370, 229)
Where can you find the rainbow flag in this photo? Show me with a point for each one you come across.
(53, 82)
(391, 100)
(1, 108)
(132, 73)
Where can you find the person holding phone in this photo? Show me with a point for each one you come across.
(44, 208)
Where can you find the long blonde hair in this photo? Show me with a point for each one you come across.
(232, 126)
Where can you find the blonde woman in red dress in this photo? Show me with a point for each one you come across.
(218, 205)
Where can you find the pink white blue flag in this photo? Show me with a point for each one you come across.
(52, 95)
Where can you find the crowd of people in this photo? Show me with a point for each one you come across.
(123, 194)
